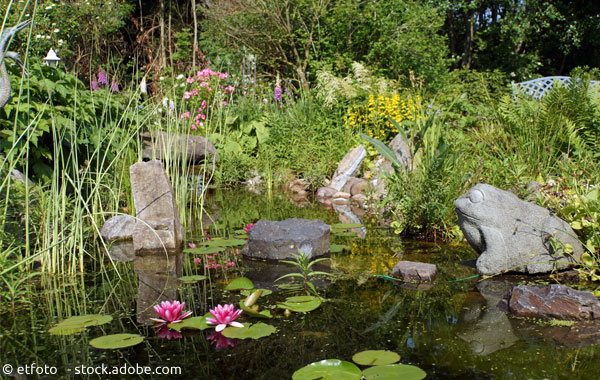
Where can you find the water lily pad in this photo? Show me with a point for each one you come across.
(224, 243)
(255, 313)
(375, 357)
(255, 331)
(240, 283)
(345, 226)
(204, 250)
(329, 369)
(78, 323)
(116, 341)
(193, 323)
(394, 372)
(192, 279)
(335, 248)
(344, 234)
(301, 304)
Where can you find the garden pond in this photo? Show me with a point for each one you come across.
(452, 329)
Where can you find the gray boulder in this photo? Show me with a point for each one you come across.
(119, 227)
(514, 235)
(552, 302)
(160, 145)
(281, 240)
(158, 227)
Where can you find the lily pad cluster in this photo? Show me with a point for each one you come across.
(79, 323)
(380, 362)
(214, 246)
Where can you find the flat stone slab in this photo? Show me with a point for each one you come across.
(415, 271)
(552, 302)
(161, 145)
(514, 235)
(281, 240)
(348, 167)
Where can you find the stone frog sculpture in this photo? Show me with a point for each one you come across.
(514, 235)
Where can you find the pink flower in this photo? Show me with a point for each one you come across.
(203, 117)
(224, 316)
(248, 227)
(185, 114)
(266, 101)
(193, 127)
(192, 245)
(203, 105)
(202, 125)
(187, 95)
(198, 260)
(224, 103)
(220, 341)
(190, 80)
(164, 332)
(170, 312)
(195, 92)
(223, 75)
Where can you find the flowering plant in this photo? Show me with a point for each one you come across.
(170, 312)
(224, 316)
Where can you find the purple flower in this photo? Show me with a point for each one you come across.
(102, 78)
(95, 86)
(277, 94)
(114, 87)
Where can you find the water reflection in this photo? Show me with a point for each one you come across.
(483, 325)
(157, 282)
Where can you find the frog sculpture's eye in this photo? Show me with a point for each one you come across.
(475, 196)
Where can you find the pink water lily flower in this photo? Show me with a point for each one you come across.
(170, 312)
(224, 316)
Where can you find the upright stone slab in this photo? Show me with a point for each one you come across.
(348, 167)
(281, 240)
(514, 235)
(158, 229)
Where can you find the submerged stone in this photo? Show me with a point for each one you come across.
(281, 240)
(553, 302)
(514, 235)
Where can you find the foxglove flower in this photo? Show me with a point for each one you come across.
(170, 312)
(102, 80)
(277, 93)
(224, 316)
(114, 87)
(95, 86)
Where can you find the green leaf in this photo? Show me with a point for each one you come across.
(375, 357)
(240, 283)
(192, 279)
(204, 250)
(254, 313)
(329, 369)
(116, 341)
(394, 372)
(262, 133)
(78, 323)
(249, 331)
(335, 248)
(224, 243)
(301, 304)
(346, 226)
(344, 234)
(384, 150)
(193, 323)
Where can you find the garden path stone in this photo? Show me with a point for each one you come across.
(158, 228)
(514, 235)
(161, 145)
(280, 240)
(552, 302)
(415, 271)
(348, 167)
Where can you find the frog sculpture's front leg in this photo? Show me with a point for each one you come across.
(494, 254)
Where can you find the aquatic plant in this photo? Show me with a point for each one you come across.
(170, 312)
(304, 263)
(224, 316)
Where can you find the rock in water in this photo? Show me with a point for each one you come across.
(513, 235)
(415, 271)
(553, 302)
(281, 240)
(158, 229)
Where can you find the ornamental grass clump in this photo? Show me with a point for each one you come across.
(373, 118)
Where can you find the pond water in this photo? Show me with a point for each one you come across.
(452, 330)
